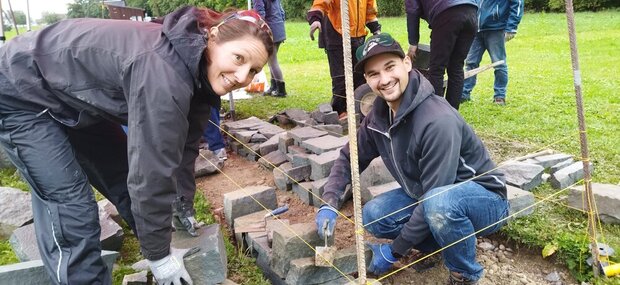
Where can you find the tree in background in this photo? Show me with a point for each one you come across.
(20, 17)
(87, 9)
(140, 4)
(50, 18)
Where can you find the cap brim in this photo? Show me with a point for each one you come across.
(359, 67)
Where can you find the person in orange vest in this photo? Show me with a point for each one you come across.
(324, 15)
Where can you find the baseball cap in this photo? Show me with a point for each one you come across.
(377, 44)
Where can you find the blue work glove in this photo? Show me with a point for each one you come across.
(326, 221)
(382, 258)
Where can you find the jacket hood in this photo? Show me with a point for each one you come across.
(182, 29)
(418, 89)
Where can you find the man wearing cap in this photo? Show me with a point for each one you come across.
(450, 190)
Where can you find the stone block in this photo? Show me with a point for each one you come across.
(568, 175)
(331, 118)
(279, 177)
(250, 152)
(295, 149)
(245, 201)
(284, 141)
(243, 124)
(33, 272)
(300, 159)
(374, 191)
(268, 130)
(519, 200)
(258, 138)
(318, 116)
(207, 163)
(304, 192)
(140, 278)
(254, 222)
(298, 174)
(244, 136)
(24, 241)
(317, 189)
(305, 133)
(273, 159)
(549, 160)
(209, 265)
(110, 209)
(289, 245)
(16, 210)
(375, 174)
(303, 271)
(297, 115)
(560, 165)
(335, 130)
(321, 164)
(235, 146)
(526, 176)
(606, 196)
(324, 144)
(325, 108)
(269, 146)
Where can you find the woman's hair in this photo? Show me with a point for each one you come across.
(235, 25)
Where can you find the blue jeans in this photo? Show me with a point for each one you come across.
(451, 216)
(493, 42)
(212, 133)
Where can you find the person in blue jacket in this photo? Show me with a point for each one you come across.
(497, 24)
(453, 26)
(435, 157)
(273, 13)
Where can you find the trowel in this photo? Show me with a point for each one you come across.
(324, 255)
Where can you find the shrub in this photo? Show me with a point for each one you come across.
(391, 8)
(296, 9)
(578, 5)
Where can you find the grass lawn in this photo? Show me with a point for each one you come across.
(540, 113)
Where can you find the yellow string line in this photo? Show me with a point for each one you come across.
(476, 232)
(277, 218)
(275, 167)
(561, 204)
(457, 184)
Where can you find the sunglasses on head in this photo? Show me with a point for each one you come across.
(251, 17)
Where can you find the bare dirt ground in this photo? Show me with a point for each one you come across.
(504, 263)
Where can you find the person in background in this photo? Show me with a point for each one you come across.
(450, 188)
(453, 26)
(65, 91)
(498, 21)
(324, 15)
(273, 13)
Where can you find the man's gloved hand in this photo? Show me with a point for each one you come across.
(509, 36)
(326, 221)
(171, 269)
(411, 52)
(382, 258)
(316, 25)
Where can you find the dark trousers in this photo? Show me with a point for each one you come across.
(60, 164)
(453, 32)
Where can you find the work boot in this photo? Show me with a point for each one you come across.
(280, 90)
(456, 278)
(499, 101)
(272, 87)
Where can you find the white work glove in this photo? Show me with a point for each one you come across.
(316, 25)
(170, 270)
(509, 36)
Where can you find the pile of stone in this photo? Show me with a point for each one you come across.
(561, 171)
(284, 251)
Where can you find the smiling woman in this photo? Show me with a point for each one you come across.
(65, 90)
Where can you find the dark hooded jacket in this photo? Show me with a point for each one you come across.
(428, 10)
(145, 75)
(428, 145)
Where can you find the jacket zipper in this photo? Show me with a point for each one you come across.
(400, 175)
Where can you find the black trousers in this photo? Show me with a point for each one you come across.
(453, 31)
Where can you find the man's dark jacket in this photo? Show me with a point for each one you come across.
(428, 145)
(428, 10)
(145, 75)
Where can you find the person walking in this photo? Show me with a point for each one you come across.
(65, 91)
(498, 22)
